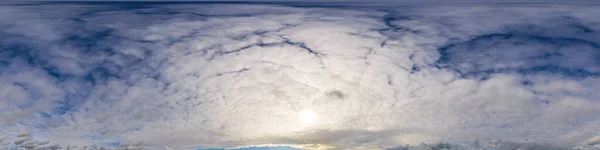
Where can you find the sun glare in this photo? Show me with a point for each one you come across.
(308, 117)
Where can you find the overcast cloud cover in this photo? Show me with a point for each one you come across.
(185, 76)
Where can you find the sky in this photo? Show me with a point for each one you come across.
(370, 1)
(194, 76)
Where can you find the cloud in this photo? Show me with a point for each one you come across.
(593, 141)
(240, 75)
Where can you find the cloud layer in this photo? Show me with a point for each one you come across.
(216, 75)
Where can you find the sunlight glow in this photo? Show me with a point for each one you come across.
(308, 117)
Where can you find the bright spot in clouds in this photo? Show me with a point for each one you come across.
(308, 117)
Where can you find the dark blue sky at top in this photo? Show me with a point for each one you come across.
(356, 1)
